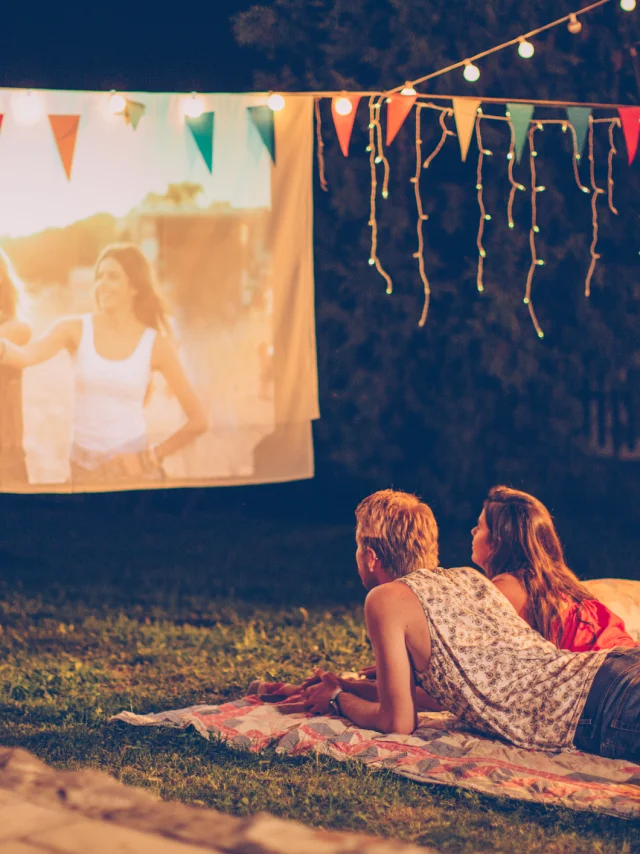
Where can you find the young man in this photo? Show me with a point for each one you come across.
(452, 633)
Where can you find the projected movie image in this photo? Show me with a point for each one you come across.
(136, 302)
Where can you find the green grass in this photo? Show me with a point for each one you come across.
(108, 611)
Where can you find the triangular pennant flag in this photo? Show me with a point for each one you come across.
(202, 130)
(465, 111)
(65, 131)
(398, 109)
(344, 124)
(579, 118)
(263, 120)
(1, 118)
(133, 112)
(630, 118)
(520, 119)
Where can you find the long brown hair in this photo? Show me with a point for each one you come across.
(148, 305)
(12, 293)
(523, 541)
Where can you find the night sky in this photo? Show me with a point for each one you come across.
(135, 46)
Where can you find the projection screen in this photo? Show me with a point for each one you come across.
(156, 291)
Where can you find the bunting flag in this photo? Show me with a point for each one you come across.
(520, 119)
(133, 112)
(465, 111)
(579, 118)
(1, 118)
(263, 120)
(630, 118)
(344, 124)
(398, 109)
(65, 132)
(202, 131)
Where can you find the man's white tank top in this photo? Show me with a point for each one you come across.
(109, 395)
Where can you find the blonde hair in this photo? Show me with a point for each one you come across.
(13, 298)
(400, 529)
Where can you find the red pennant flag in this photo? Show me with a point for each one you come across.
(630, 117)
(398, 109)
(1, 118)
(65, 131)
(344, 124)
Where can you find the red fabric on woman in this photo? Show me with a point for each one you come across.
(590, 625)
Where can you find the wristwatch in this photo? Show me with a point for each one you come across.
(334, 705)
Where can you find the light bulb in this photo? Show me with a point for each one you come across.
(117, 103)
(343, 106)
(471, 72)
(192, 106)
(408, 89)
(27, 107)
(628, 5)
(275, 102)
(526, 49)
(574, 26)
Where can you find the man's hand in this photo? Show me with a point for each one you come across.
(314, 696)
(368, 672)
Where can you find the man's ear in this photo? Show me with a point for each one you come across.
(372, 557)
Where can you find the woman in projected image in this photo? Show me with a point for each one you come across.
(13, 328)
(115, 351)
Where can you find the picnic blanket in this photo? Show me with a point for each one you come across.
(441, 751)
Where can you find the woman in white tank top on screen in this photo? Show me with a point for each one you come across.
(115, 351)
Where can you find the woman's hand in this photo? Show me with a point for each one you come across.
(315, 697)
(368, 672)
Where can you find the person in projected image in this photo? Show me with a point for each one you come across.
(115, 350)
(13, 328)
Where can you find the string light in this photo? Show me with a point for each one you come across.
(445, 133)
(192, 106)
(594, 213)
(612, 152)
(275, 102)
(117, 102)
(380, 156)
(27, 107)
(535, 261)
(515, 185)
(320, 146)
(483, 213)
(526, 49)
(343, 106)
(407, 90)
(627, 5)
(574, 26)
(471, 72)
(374, 261)
(421, 218)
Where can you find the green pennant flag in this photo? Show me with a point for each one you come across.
(579, 118)
(133, 112)
(262, 118)
(520, 118)
(202, 131)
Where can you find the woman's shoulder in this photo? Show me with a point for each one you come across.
(513, 589)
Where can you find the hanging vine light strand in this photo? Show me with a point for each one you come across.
(535, 261)
(421, 219)
(374, 261)
(594, 213)
(320, 146)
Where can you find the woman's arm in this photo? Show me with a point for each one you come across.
(64, 334)
(16, 332)
(165, 359)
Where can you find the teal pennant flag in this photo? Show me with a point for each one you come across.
(579, 118)
(202, 131)
(262, 118)
(520, 119)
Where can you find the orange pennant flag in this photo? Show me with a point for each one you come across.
(344, 122)
(465, 111)
(398, 109)
(65, 131)
(630, 118)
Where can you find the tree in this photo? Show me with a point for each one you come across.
(474, 397)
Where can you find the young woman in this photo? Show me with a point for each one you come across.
(13, 328)
(516, 544)
(115, 351)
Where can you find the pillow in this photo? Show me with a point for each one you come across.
(621, 596)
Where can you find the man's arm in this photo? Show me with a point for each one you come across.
(387, 610)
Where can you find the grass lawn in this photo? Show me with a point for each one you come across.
(107, 604)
